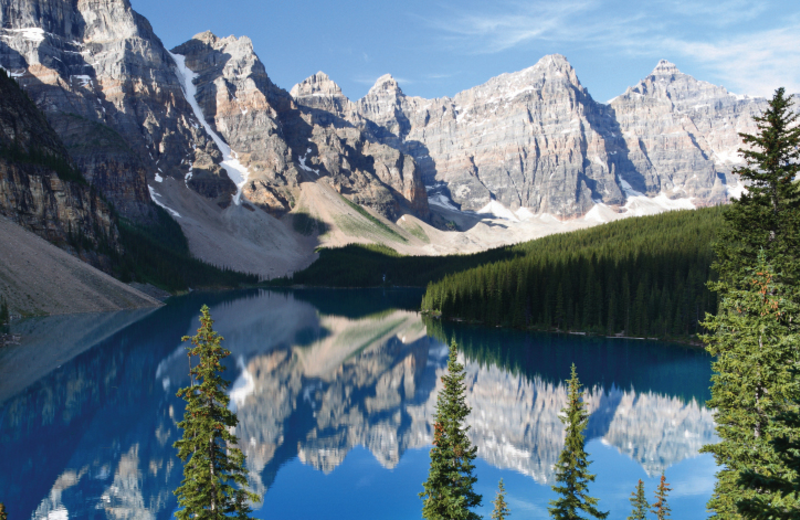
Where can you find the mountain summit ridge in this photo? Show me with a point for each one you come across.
(525, 144)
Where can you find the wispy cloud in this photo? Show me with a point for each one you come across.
(721, 13)
(440, 76)
(750, 64)
(718, 35)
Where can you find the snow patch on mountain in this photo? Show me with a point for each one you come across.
(154, 196)
(498, 210)
(237, 172)
(303, 166)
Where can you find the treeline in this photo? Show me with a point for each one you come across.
(159, 254)
(371, 265)
(641, 277)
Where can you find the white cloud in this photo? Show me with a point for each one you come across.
(716, 35)
(754, 64)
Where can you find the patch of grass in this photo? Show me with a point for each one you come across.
(416, 230)
(386, 230)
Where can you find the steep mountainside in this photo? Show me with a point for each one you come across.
(536, 139)
(96, 69)
(40, 187)
(258, 177)
(37, 278)
(281, 144)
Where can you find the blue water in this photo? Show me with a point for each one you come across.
(335, 391)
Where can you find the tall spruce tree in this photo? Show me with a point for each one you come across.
(448, 492)
(753, 335)
(501, 510)
(639, 503)
(660, 507)
(572, 468)
(214, 474)
(780, 481)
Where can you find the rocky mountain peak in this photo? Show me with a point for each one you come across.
(206, 37)
(318, 84)
(385, 84)
(665, 68)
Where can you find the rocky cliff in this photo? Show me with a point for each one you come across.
(203, 129)
(42, 189)
(282, 143)
(536, 139)
(105, 82)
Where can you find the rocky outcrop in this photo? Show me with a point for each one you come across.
(241, 103)
(285, 139)
(525, 139)
(41, 188)
(681, 135)
(100, 61)
(536, 139)
(355, 158)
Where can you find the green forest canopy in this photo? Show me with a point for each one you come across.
(645, 276)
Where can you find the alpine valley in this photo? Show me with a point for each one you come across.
(258, 177)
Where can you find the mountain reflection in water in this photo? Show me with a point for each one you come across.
(93, 438)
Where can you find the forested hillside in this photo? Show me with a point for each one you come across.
(641, 277)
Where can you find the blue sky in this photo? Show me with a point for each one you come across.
(437, 48)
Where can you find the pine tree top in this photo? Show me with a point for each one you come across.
(572, 468)
(214, 470)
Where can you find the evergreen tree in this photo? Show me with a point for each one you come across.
(754, 334)
(214, 474)
(448, 493)
(639, 503)
(779, 481)
(572, 475)
(501, 511)
(660, 507)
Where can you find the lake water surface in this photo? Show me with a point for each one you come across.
(335, 391)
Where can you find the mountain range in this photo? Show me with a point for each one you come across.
(258, 176)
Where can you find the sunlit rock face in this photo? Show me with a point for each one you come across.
(533, 138)
(536, 138)
(237, 97)
(108, 86)
(283, 143)
(681, 135)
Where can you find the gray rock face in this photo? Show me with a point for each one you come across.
(282, 143)
(241, 102)
(681, 135)
(100, 61)
(39, 188)
(536, 138)
(525, 139)
(354, 155)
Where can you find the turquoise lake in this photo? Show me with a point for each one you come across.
(335, 392)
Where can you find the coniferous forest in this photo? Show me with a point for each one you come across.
(638, 277)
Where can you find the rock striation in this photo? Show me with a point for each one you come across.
(536, 139)
(96, 69)
(41, 188)
(143, 124)
(283, 143)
